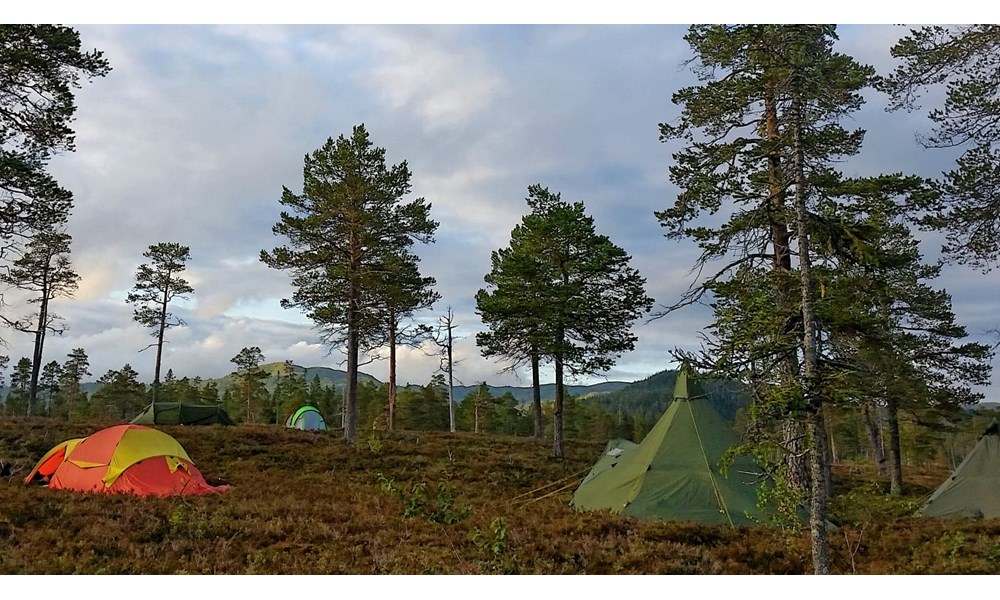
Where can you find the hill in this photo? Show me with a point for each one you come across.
(420, 502)
(277, 370)
(547, 391)
(337, 377)
(649, 397)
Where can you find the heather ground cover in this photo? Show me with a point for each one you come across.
(429, 502)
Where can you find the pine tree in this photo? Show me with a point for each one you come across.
(893, 337)
(316, 393)
(290, 393)
(71, 397)
(231, 404)
(16, 403)
(248, 380)
(583, 296)
(44, 270)
(475, 408)
(510, 307)
(404, 292)
(209, 394)
(425, 407)
(506, 417)
(52, 372)
(761, 135)
(42, 65)
(169, 391)
(120, 395)
(156, 285)
(347, 223)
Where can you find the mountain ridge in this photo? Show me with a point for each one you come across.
(337, 377)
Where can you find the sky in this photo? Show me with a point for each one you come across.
(192, 135)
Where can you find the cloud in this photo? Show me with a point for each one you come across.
(434, 73)
(195, 131)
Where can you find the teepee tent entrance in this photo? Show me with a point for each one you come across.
(130, 459)
(973, 490)
(674, 474)
(308, 418)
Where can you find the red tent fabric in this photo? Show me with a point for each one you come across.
(131, 459)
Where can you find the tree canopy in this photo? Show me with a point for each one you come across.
(965, 59)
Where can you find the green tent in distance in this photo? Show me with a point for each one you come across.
(178, 413)
(307, 418)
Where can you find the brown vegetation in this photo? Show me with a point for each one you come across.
(428, 502)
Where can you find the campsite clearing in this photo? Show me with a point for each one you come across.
(430, 502)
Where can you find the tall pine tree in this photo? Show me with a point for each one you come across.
(761, 136)
(343, 227)
(157, 284)
(45, 271)
(584, 295)
(511, 308)
(404, 292)
(42, 65)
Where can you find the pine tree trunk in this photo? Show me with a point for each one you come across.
(831, 442)
(351, 390)
(36, 363)
(558, 446)
(451, 384)
(895, 459)
(793, 435)
(819, 466)
(793, 432)
(869, 417)
(392, 373)
(159, 341)
(894, 462)
(819, 469)
(536, 398)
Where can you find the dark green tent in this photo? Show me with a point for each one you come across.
(674, 473)
(177, 413)
(973, 490)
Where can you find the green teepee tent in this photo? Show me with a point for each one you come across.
(674, 473)
(973, 490)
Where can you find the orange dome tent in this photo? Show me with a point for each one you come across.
(124, 459)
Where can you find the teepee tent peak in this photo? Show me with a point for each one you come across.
(308, 418)
(674, 473)
(131, 459)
